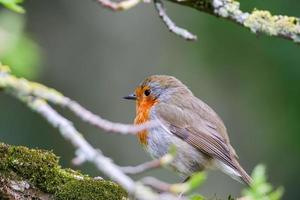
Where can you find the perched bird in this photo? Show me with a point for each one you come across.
(186, 122)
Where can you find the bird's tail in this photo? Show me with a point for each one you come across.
(244, 176)
(236, 172)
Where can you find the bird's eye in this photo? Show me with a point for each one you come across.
(147, 92)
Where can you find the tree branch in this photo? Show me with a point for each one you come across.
(119, 6)
(159, 6)
(153, 164)
(28, 174)
(257, 21)
(35, 96)
(28, 88)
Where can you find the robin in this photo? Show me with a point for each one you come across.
(187, 123)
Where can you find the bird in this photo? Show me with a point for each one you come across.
(187, 123)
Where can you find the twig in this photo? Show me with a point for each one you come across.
(91, 154)
(119, 6)
(170, 24)
(99, 122)
(161, 186)
(38, 90)
(153, 164)
(163, 161)
(156, 184)
(258, 21)
(32, 94)
(69, 132)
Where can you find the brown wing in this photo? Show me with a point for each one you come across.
(210, 145)
(186, 124)
(201, 131)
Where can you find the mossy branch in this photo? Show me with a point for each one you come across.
(36, 174)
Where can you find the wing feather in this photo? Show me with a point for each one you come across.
(199, 133)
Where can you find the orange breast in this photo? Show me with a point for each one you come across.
(143, 115)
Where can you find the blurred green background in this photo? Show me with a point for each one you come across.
(96, 56)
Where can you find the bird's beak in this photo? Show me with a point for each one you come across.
(130, 97)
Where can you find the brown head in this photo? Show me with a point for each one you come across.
(155, 89)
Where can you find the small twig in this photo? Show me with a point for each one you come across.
(51, 95)
(99, 122)
(153, 164)
(258, 21)
(161, 186)
(156, 184)
(35, 96)
(91, 154)
(119, 6)
(69, 132)
(170, 24)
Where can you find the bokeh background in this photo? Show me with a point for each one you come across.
(96, 56)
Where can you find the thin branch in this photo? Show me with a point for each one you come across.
(159, 6)
(153, 164)
(119, 6)
(32, 95)
(104, 124)
(156, 184)
(95, 156)
(38, 90)
(69, 132)
(258, 21)
(161, 186)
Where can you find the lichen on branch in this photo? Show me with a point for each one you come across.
(258, 21)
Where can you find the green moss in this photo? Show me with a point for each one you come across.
(42, 170)
(73, 190)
